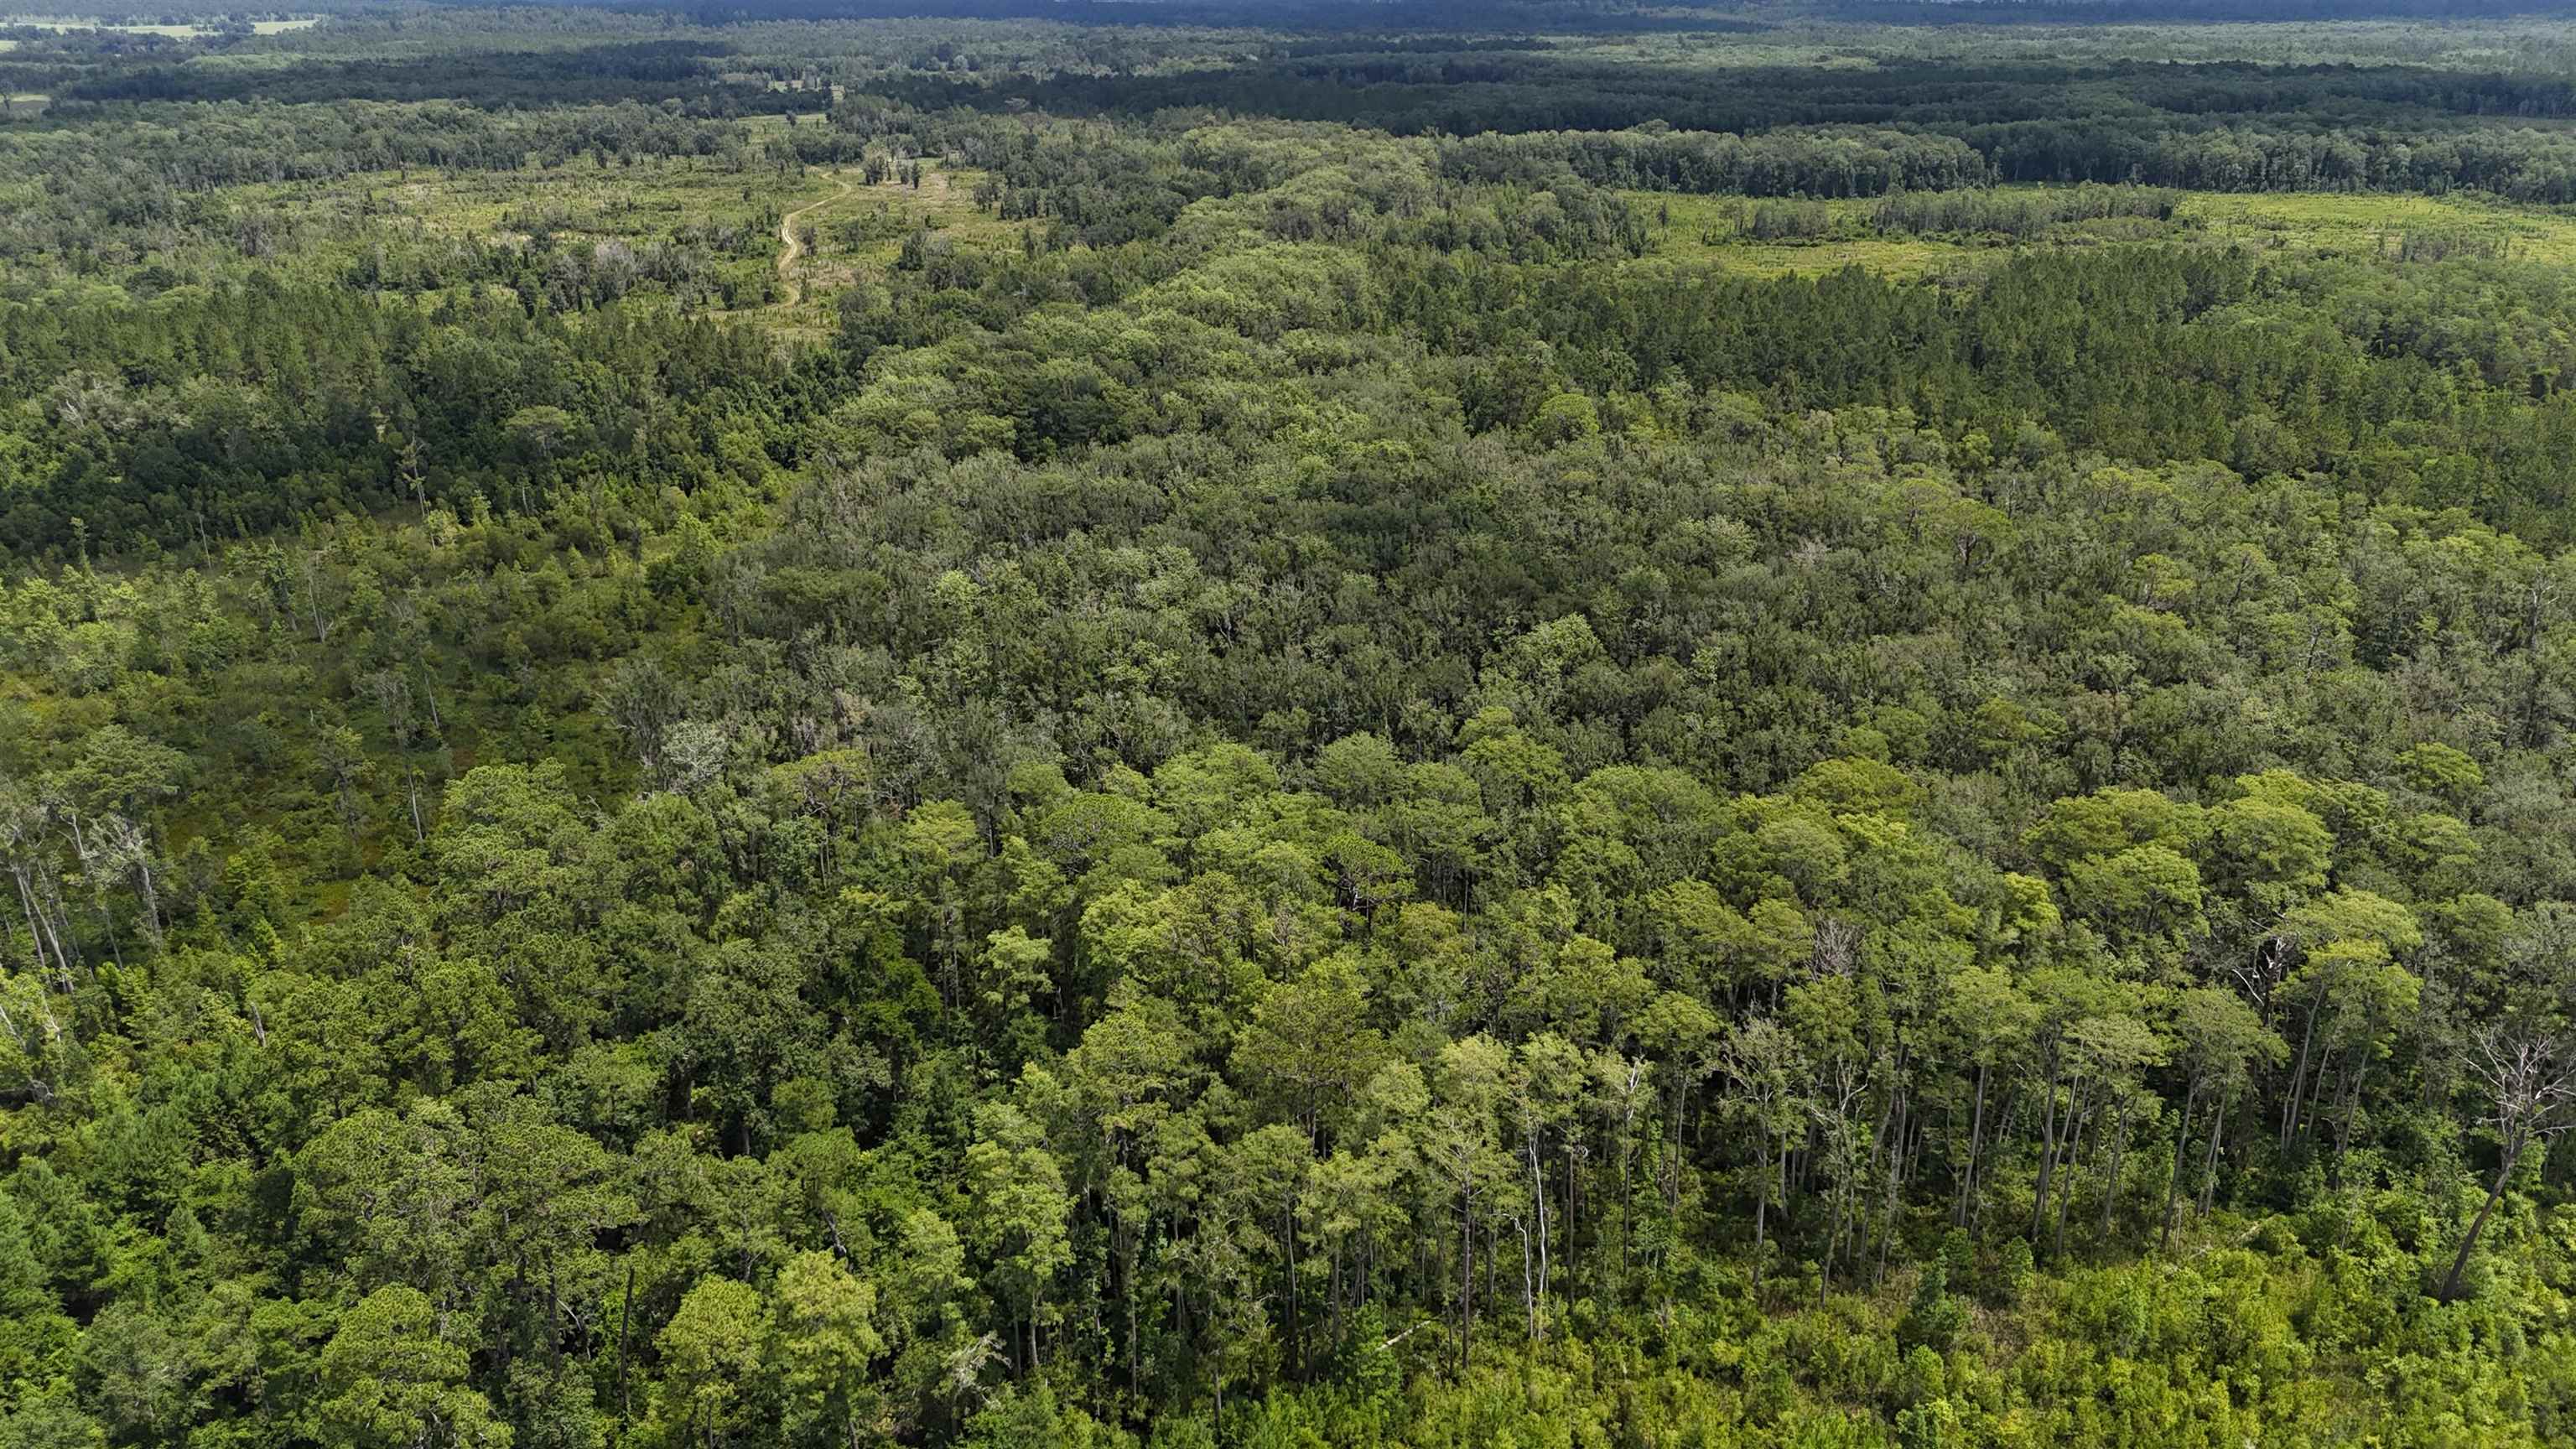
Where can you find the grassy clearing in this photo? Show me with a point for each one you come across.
(1709, 231)
(2365, 225)
(731, 214)
(62, 23)
(871, 226)
(732, 219)
(860, 229)
(631, 203)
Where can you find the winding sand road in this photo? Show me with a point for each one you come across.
(795, 290)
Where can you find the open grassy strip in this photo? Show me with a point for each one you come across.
(1723, 231)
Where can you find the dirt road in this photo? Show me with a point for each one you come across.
(794, 247)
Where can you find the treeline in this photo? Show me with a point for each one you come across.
(1478, 90)
(2231, 126)
(187, 149)
(649, 72)
(2519, 164)
(2018, 215)
(1824, 164)
(2138, 12)
(2021, 215)
(1826, 132)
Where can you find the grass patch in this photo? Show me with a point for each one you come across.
(2374, 224)
(1715, 231)
(60, 24)
(858, 229)
(725, 214)
(1710, 231)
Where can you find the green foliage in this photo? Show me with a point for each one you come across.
(1246, 780)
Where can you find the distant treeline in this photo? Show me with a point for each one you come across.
(2136, 12)
(655, 71)
(1569, 15)
(1463, 91)
(1797, 163)
(1828, 131)
(2021, 213)
(1915, 213)
(2522, 164)
(1820, 131)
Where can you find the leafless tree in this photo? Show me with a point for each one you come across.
(124, 848)
(2531, 1077)
(694, 752)
(392, 696)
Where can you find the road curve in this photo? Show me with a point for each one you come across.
(793, 248)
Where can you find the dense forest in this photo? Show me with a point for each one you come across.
(1180, 727)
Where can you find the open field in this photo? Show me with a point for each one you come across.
(1712, 230)
(737, 218)
(860, 229)
(63, 23)
(2371, 224)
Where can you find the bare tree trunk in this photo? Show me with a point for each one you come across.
(1762, 1206)
(1573, 1177)
(2119, 1142)
(2209, 1165)
(2468, 1245)
(2182, 1145)
(35, 929)
(145, 887)
(1976, 1142)
(2299, 1073)
(1895, 1183)
(2048, 1152)
(57, 922)
(1127, 1276)
(2075, 1119)
(1538, 1197)
(1466, 1270)
(625, 1322)
(2006, 1121)
(1529, 1275)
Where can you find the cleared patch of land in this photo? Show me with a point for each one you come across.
(775, 242)
(63, 23)
(1726, 231)
(2375, 223)
(1718, 230)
